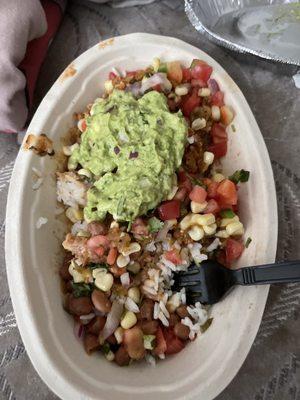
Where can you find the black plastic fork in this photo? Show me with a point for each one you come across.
(209, 282)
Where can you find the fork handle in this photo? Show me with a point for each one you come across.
(283, 272)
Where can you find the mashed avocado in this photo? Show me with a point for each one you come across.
(132, 147)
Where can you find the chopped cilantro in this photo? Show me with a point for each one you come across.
(105, 348)
(248, 241)
(94, 266)
(81, 289)
(207, 324)
(227, 213)
(149, 342)
(155, 225)
(240, 176)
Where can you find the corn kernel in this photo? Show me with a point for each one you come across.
(222, 234)
(134, 294)
(132, 248)
(198, 207)
(235, 228)
(208, 157)
(77, 276)
(134, 267)
(97, 271)
(114, 224)
(129, 320)
(198, 123)
(173, 303)
(196, 233)
(215, 113)
(210, 229)
(181, 90)
(226, 221)
(84, 172)
(119, 332)
(156, 64)
(74, 214)
(218, 177)
(204, 92)
(110, 356)
(227, 115)
(108, 86)
(104, 281)
(186, 222)
(206, 219)
(122, 261)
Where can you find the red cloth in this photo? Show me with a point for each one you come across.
(37, 48)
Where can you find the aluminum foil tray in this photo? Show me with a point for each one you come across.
(267, 28)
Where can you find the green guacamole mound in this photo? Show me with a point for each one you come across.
(132, 148)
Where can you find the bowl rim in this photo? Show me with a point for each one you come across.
(43, 363)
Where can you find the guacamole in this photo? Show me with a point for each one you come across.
(132, 148)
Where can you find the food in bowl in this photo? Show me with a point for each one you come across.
(145, 197)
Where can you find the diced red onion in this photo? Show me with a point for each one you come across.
(133, 154)
(213, 86)
(85, 319)
(117, 150)
(135, 89)
(162, 234)
(113, 320)
(157, 79)
(78, 330)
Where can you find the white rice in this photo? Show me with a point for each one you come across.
(70, 190)
(40, 222)
(214, 245)
(196, 254)
(162, 356)
(164, 309)
(150, 247)
(163, 319)
(125, 279)
(191, 139)
(156, 310)
(198, 313)
(131, 305)
(183, 296)
(78, 226)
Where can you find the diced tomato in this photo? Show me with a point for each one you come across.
(233, 250)
(218, 133)
(169, 210)
(201, 71)
(227, 192)
(218, 99)
(198, 83)
(212, 190)
(219, 150)
(112, 255)
(207, 181)
(112, 75)
(174, 72)
(173, 256)
(99, 251)
(174, 344)
(198, 194)
(180, 194)
(219, 137)
(157, 88)
(96, 241)
(212, 207)
(190, 102)
(161, 345)
(186, 74)
(184, 181)
(139, 227)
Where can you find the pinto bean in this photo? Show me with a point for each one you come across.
(80, 305)
(64, 269)
(97, 228)
(91, 343)
(122, 357)
(174, 319)
(96, 325)
(181, 331)
(134, 343)
(149, 327)
(182, 311)
(146, 310)
(101, 301)
(112, 339)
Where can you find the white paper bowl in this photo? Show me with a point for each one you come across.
(206, 366)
